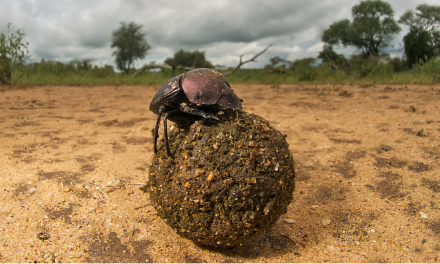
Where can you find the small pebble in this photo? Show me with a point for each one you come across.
(326, 222)
(66, 189)
(423, 215)
(385, 148)
(210, 177)
(423, 133)
(43, 236)
(289, 221)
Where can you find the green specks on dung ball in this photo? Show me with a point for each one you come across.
(229, 181)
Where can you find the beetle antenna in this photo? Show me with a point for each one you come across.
(166, 135)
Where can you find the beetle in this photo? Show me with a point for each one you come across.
(197, 94)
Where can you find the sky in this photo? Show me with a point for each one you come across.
(65, 30)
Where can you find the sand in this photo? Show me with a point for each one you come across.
(367, 182)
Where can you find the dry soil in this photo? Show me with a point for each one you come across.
(367, 161)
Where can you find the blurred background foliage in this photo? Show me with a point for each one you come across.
(419, 64)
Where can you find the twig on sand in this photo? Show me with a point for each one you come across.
(119, 183)
(108, 197)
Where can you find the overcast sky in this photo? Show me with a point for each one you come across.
(67, 30)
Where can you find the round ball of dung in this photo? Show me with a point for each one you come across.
(229, 180)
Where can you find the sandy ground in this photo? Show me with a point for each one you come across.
(368, 186)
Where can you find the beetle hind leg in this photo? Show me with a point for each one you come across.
(185, 108)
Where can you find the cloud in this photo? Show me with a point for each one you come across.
(316, 48)
(62, 30)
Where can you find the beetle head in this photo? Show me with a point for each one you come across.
(168, 90)
(229, 99)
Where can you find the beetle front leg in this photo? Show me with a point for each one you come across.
(166, 134)
(156, 129)
(185, 108)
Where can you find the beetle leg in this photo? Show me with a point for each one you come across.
(156, 130)
(166, 134)
(185, 108)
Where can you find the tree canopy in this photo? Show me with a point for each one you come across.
(335, 60)
(372, 28)
(130, 43)
(417, 44)
(193, 59)
(302, 63)
(423, 39)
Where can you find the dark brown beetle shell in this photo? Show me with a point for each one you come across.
(209, 87)
(203, 86)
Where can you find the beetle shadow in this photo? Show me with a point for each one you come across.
(269, 244)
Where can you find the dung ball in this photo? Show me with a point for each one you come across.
(229, 181)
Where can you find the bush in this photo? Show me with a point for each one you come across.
(12, 54)
(5, 70)
(399, 65)
(430, 69)
(307, 74)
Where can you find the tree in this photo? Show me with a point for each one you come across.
(418, 46)
(281, 68)
(399, 65)
(83, 65)
(12, 53)
(372, 29)
(423, 39)
(191, 59)
(276, 60)
(304, 69)
(130, 43)
(302, 63)
(335, 60)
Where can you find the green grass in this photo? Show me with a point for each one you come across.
(58, 74)
(88, 78)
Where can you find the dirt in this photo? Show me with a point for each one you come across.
(367, 178)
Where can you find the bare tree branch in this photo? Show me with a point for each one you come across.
(151, 66)
(166, 66)
(162, 66)
(332, 63)
(244, 62)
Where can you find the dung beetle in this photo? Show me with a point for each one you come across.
(197, 94)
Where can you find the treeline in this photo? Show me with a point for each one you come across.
(370, 31)
(357, 69)
(47, 72)
(74, 66)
